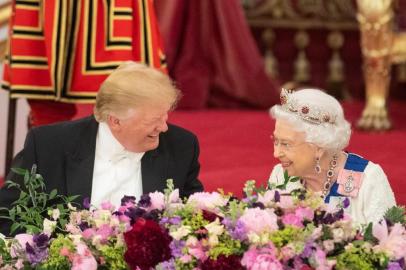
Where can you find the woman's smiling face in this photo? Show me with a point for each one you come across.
(295, 154)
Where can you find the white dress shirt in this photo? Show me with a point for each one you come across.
(117, 172)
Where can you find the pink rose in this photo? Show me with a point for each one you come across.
(287, 253)
(258, 259)
(207, 201)
(107, 206)
(292, 219)
(157, 200)
(83, 259)
(393, 242)
(22, 240)
(267, 198)
(305, 213)
(88, 233)
(321, 260)
(286, 202)
(105, 231)
(259, 220)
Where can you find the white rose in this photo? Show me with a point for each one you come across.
(55, 214)
(215, 228)
(181, 232)
(338, 234)
(213, 240)
(49, 226)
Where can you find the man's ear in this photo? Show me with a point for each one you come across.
(113, 122)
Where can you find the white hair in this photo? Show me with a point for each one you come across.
(328, 135)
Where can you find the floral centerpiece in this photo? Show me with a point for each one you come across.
(268, 229)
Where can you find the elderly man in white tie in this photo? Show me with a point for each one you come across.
(126, 148)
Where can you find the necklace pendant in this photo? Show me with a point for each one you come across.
(349, 184)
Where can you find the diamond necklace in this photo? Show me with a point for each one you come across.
(330, 175)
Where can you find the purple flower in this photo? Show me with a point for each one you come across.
(308, 250)
(401, 262)
(259, 205)
(164, 220)
(394, 266)
(35, 254)
(41, 240)
(127, 199)
(277, 197)
(176, 248)
(83, 226)
(86, 203)
(134, 213)
(239, 231)
(175, 220)
(145, 201)
(236, 231)
(346, 202)
(172, 220)
(152, 215)
(227, 223)
(168, 265)
(302, 196)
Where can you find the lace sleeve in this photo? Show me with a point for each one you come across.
(378, 195)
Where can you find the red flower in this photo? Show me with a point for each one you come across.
(210, 216)
(232, 262)
(147, 245)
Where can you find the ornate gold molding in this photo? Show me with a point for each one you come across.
(377, 39)
(302, 14)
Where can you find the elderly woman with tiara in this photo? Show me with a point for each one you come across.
(309, 137)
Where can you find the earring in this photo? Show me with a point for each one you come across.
(317, 168)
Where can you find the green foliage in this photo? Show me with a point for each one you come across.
(185, 266)
(286, 180)
(368, 235)
(288, 234)
(56, 260)
(396, 214)
(235, 209)
(169, 188)
(226, 246)
(249, 188)
(27, 213)
(4, 251)
(195, 221)
(113, 257)
(326, 233)
(361, 258)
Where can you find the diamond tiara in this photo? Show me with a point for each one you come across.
(308, 113)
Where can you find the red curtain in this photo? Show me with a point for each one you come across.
(212, 55)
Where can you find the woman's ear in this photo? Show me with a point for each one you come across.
(320, 152)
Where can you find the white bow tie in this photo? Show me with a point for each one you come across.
(121, 155)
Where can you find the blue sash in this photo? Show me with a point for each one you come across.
(353, 163)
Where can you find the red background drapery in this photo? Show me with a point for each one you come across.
(212, 55)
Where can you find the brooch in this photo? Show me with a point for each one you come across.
(349, 182)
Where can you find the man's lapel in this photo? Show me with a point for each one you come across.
(80, 162)
(154, 165)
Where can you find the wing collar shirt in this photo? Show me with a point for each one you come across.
(117, 172)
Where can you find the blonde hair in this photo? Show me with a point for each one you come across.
(130, 86)
(333, 135)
